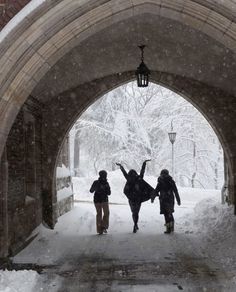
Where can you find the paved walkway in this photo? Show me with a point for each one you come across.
(74, 258)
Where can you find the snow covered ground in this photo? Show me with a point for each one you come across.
(200, 253)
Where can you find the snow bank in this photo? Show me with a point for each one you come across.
(18, 281)
(211, 218)
(215, 226)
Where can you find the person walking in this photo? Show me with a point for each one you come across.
(101, 190)
(136, 190)
(167, 191)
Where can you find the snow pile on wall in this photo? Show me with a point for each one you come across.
(63, 171)
(18, 281)
(64, 185)
(64, 193)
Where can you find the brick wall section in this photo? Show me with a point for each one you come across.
(28, 204)
(9, 8)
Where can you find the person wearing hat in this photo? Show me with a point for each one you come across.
(101, 190)
(167, 191)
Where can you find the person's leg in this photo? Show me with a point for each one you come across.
(135, 207)
(106, 213)
(172, 222)
(167, 216)
(98, 207)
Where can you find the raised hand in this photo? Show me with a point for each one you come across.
(118, 164)
(147, 160)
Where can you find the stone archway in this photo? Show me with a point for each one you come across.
(91, 47)
(81, 97)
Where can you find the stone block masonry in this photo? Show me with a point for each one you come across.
(24, 157)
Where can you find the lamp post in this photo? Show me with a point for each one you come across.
(172, 137)
(142, 73)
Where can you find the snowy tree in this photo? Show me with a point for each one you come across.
(131, 124)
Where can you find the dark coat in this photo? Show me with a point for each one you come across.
(136, 188)
(167, 191)
(102, 190)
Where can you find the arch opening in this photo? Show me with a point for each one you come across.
(129, 125)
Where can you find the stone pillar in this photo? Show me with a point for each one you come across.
(49, 198)
(3, 206)
(49, 204)
(232, 183)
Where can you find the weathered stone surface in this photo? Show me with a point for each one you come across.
(24, 158)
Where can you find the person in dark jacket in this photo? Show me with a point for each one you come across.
(135, 190)
(101, 190)
(167, 191)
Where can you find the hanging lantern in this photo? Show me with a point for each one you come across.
(142, 73)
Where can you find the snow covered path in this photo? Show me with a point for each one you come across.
(76, 259)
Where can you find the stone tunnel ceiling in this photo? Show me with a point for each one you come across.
(171, 47)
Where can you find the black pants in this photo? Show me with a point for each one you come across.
(135, 207)
(168, 217)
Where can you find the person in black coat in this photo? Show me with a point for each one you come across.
(167, 191)
(101, 190)
(136, 190)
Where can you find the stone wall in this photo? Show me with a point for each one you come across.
(64, 186)
(3, 206)
(24, 157)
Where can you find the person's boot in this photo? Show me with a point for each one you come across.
(168, 228)
(135, 228)
(104, 230)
